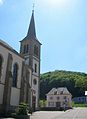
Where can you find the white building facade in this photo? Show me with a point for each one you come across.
(59, 98)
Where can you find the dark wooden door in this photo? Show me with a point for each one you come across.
(34, 103)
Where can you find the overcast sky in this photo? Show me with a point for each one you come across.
(61, 27)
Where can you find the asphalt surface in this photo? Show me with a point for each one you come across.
(76, 113)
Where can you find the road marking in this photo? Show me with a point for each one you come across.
(74, 117)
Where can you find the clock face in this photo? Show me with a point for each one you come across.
(27, 61)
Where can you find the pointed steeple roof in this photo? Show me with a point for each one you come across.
(31, 34)
(31, 31)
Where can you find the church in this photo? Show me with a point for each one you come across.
(20, 72)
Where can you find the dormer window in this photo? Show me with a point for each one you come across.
(55, 93)
(65, 97)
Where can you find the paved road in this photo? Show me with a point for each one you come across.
(76, 113)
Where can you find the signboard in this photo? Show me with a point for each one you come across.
(85, 92)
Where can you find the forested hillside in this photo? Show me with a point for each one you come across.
(76, 82)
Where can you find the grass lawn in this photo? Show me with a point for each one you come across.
(78, 105)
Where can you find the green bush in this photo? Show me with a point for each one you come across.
(22, 109)
(42, 103)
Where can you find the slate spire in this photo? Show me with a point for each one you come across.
(31, 31)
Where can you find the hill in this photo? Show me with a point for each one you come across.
(76, 82)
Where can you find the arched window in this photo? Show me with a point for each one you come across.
(15, 74)
(1, 60)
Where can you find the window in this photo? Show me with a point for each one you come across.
(61, 92)
(35, 68)
(27, 61)
(51, 98)
(63, 103)
(51, 104)
(55, 92)
(27, 48)
(65, 97)
(1, 60)
(34, 81)
(34, 92)
(24, 51)
(15, 74)
(58, 98)
(36, 50)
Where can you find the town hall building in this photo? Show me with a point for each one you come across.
(20, 72)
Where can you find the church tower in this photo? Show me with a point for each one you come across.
(30, 49)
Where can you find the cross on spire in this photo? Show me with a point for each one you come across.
(33, 7)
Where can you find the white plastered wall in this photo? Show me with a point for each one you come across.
(15, 96)
(4, 52)
(15, 92)
(61, 99)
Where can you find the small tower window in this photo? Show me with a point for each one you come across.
(24, 50)
(15, 74)
(35, 68)
(1, 60)
(36, 50)
(27, 48)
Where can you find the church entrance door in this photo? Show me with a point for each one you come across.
(34, 103)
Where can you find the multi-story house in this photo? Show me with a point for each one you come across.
(59, 98)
